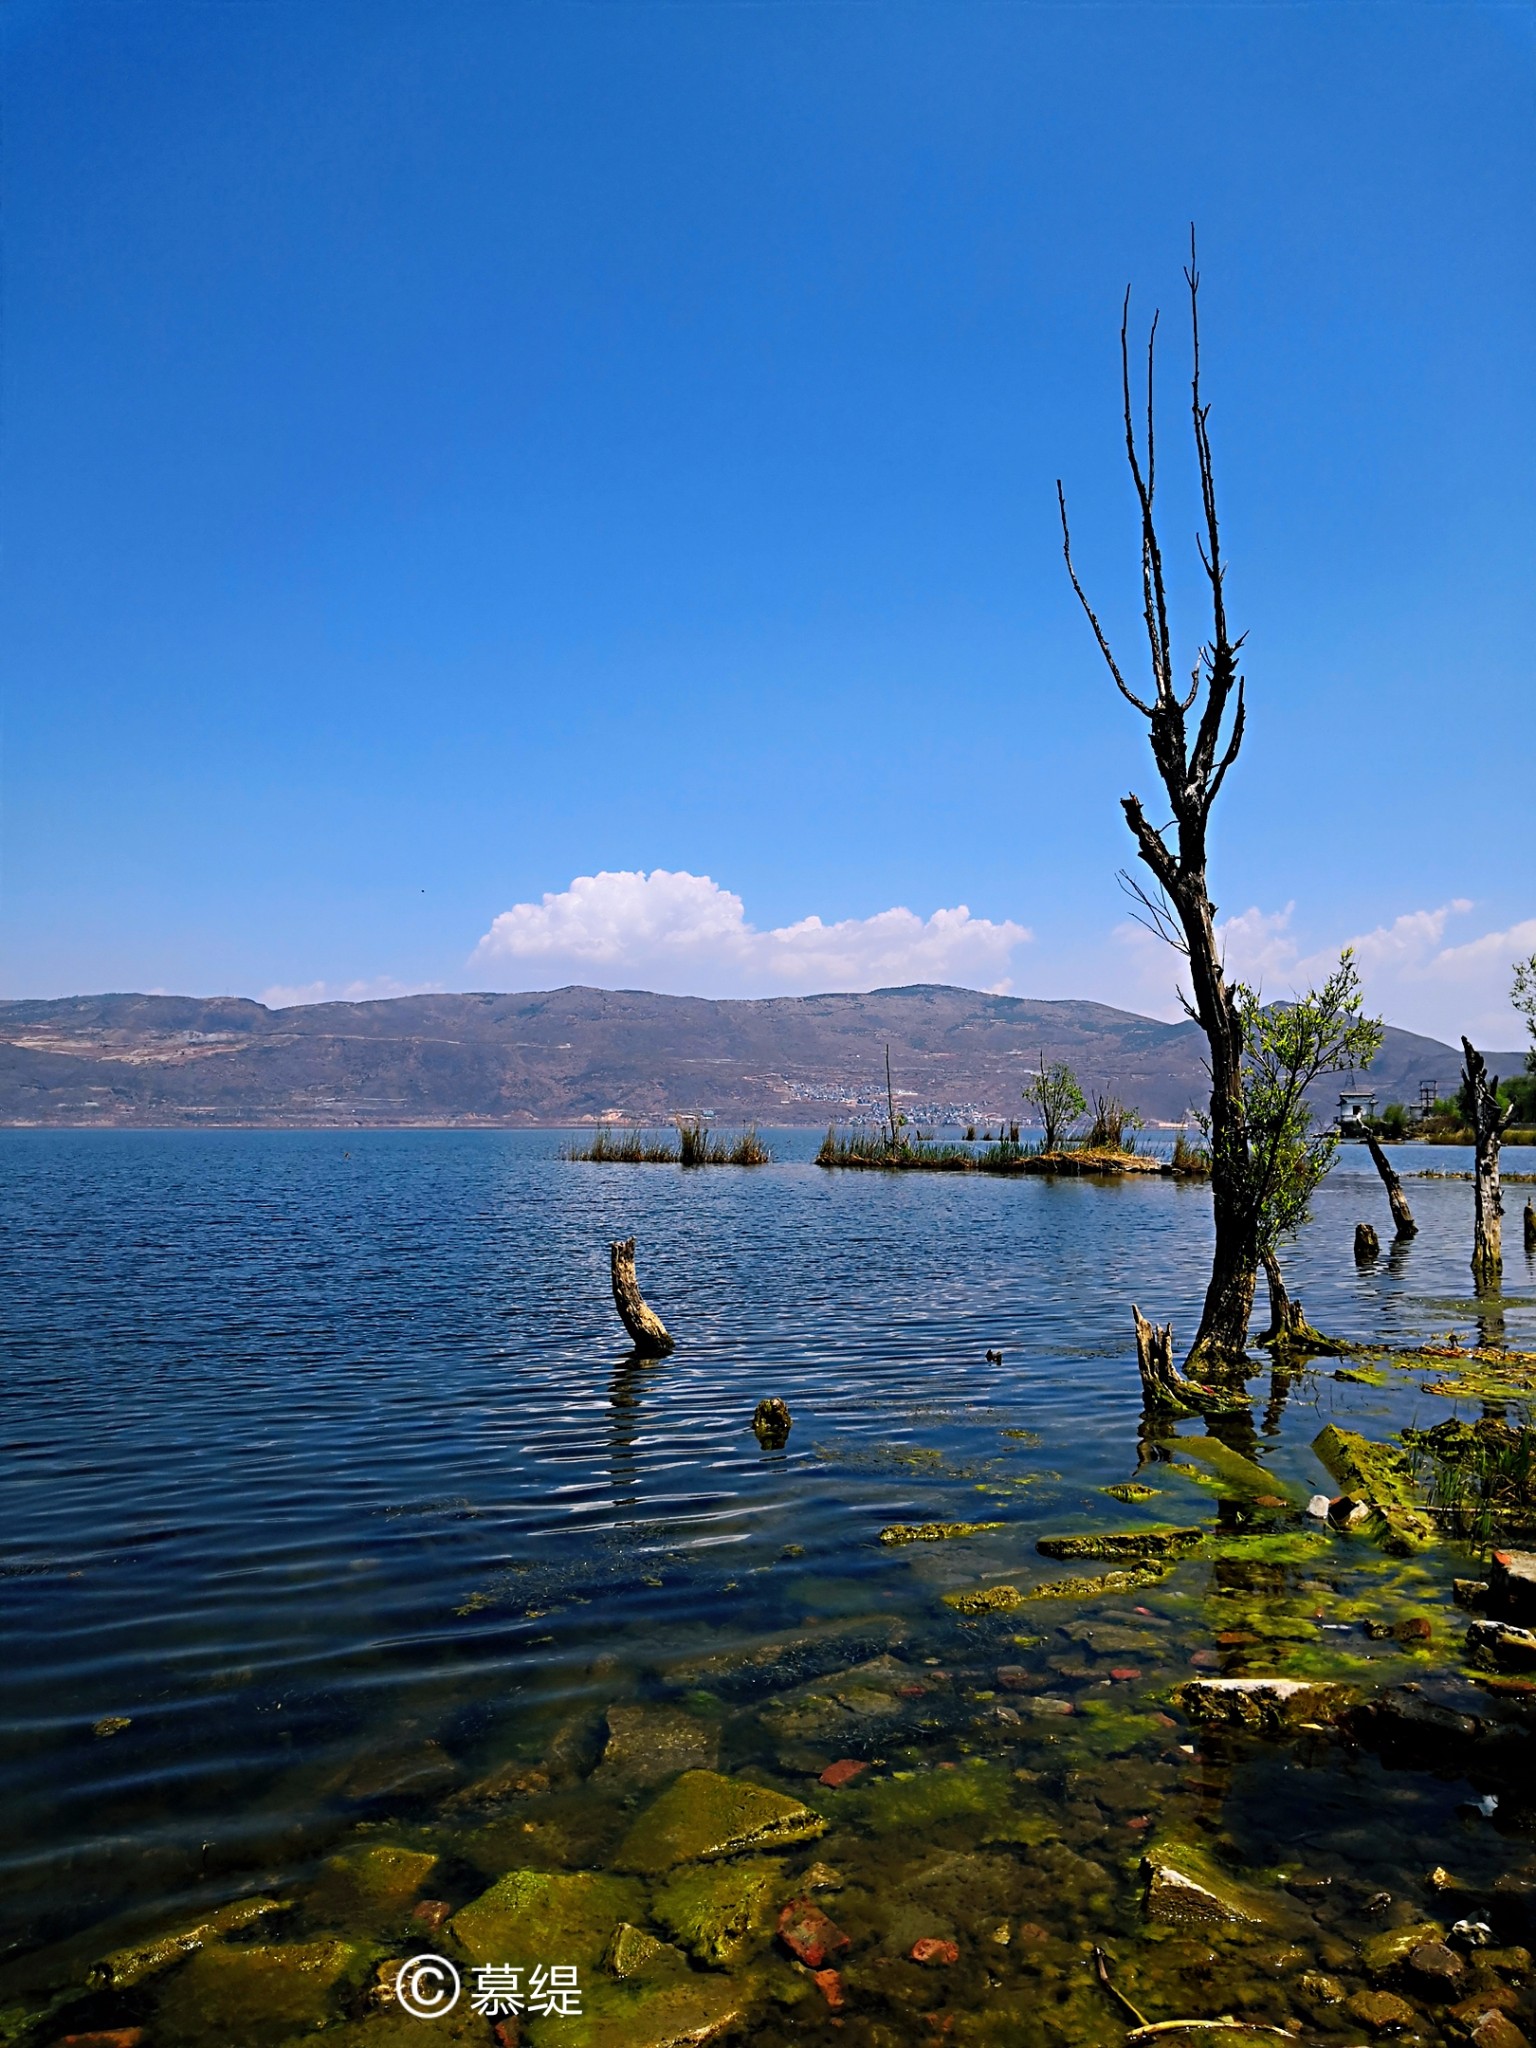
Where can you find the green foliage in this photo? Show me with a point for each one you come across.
(1519, 1091)
(1189, 1158)
(1057, 1100)
(1392, 1124)
(1523, 996)
(1288, 1046)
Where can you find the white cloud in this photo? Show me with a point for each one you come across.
(683, 933)
(1410, 975)
(377, 990)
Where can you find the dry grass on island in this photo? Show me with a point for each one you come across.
(696, 1145)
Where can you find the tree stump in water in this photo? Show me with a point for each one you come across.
(1289, 1329)
(1530, 1228)
(1367, 1244)
(771, 1424)
(1490, 1119)
(647, 1332)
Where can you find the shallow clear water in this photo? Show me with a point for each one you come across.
(323, 1457)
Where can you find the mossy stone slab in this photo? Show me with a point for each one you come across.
(369, 1886)
(128, 1966)
(547, 1916)
(1268, 1706)
(1380, 1474)
(680, 2015)
(259, 1994)
(705, 1816)
(631, 1952)
(715, 1909)
(1185, 1889)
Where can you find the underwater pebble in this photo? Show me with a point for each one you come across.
(930, 1949)
(830, 1984)
(839, 1773)
(1497, 2030)
(1317, 1507)
(1381, 2012)
(808, 1934)
(432, 1913)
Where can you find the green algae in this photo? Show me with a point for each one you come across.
(369, 1884)
(1236, 1473)
(914, 1802)
(704, 1816)
(125, 1967)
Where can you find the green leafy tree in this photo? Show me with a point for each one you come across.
(1289, 1046)
(1056, 1099)
(1523, 996)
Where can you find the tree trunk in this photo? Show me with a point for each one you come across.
(1530, 1228)
(1165, 1390)
(647, 1332)
(1403, 1224)
(1489, 1118)
(1222, 1338)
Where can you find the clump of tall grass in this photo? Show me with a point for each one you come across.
(874, 1149)
(700, 1146)
(1114, 1126)
(1480, 1474)
(632, 1147)
(1189, 1158)
(696, 1145)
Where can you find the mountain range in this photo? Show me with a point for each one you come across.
(580, 1055)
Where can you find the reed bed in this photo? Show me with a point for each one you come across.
(696, 1145)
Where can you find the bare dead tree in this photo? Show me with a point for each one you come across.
(1403, 1224)
(1192, 768)
(647, 1332)
(1490, 1119)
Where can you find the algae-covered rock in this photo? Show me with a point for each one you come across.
(1235, 1472)
(1388, 1951)
(127, 1966)
(1185, 1889)
(647, 1744)
(985, 1599)
(564, 1916)
(1160, 1540)
(631, 1952)
(1382, 1476)
(368, 1885)
(933, 1532)
(1269, 1706)
(914, 1802)
(1090, 1588)
(1130, 1490)
(1500, 1646)
(256, 1993)
(714, 1909)
(1381, 2012)
(683, 2014)
(704, 1816)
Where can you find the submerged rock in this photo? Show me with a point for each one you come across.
(647, 1744)
(1161, 1541)
(1267, 1705)
(985, 1600)
(704, 1816)
(1381, 2012)
(128, 1966)
(1184, 1889)
(714, 1910)
(259, 1994)
(685, 2013)
(631, 1952)
(1386, 1953)
(369, 1884)
(809, 1934)
(566, 1916)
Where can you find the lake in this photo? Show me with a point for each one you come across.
(330, 1493)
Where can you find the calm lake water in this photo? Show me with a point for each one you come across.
(327, 1484)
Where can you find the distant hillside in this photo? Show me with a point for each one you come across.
(578, 1054)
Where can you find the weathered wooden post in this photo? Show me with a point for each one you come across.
(1490, 1118)
(647, 1332)
(1367, 1244)
(1530, 1227)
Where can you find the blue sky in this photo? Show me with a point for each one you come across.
(457, 456)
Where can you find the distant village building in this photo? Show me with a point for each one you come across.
(1356, 1105)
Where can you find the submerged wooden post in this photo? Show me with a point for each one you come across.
(647, 1332)
(1367, 1244)
(1530, 1227)
(1403, 1224)
(1489, 1119)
